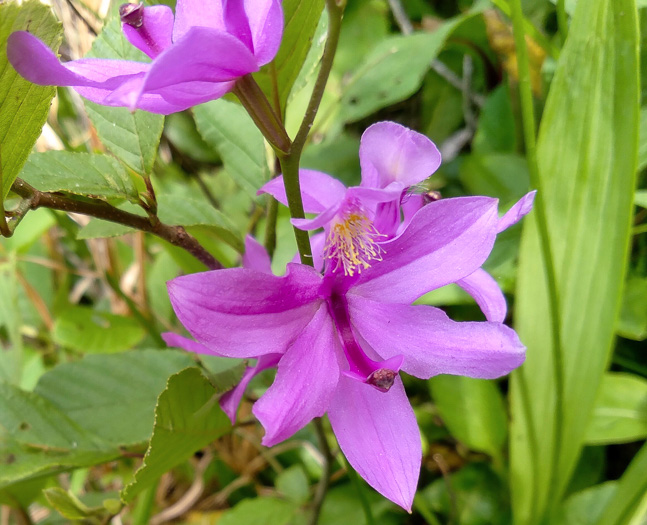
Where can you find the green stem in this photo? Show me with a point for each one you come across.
(259, 108)
(270, 227)
(324, 482)
(562, 19)
(527, 111)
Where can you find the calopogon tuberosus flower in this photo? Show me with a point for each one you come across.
(196, 55)
(341, 338)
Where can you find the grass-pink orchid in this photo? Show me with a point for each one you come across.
(341, 339)
(196, 55)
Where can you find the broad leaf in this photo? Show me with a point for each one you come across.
(632, 323)
(187, 418)
(587, 151)
(113, 396)
(132, 137)
(301, 19)
(228, 128)
(23, 105)
(620, 412)
(261, 511)
(586, 507)
(90, 175)
(473, 411)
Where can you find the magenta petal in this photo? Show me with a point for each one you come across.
(519, 209)
(230, 401)
(432, 343)
(265, 19)
(390, 152)
(446, 241)
(318, 222)
(319, 191)
(487, 294)
(155, 33)
(190, 13)
(178, 341)
(245, 313)
(379, 436)
(305, 381)
(202, 54)
(256, 256)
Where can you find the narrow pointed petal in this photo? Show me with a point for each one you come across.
(245, 313)
(230, 401)
(265, 19)
(37, 63)
(305, 381)
(378, 433)
(390, 152)
(446, 241)
(155, 33)
(179, 341)
(317, 222)
(319, 191)
(487, 294)
(256, 256)
(204, 55)
(432, 343)
(190, 13)
(513, 215)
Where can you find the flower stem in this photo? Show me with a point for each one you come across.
(322, 488)
(527, 111)
(259, 108)
(176, 235)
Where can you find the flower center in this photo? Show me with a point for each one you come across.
(352, 241)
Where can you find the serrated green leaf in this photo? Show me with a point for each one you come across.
(187, 418)
(23, 105)
(89, 331)
(473, 411)
(620, 412)
(301, 19)
(113, 396)
(131, 137)
(226, 127)
(184, 211)
(587, 152)
(90, 175)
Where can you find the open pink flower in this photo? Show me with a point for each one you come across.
(196, 55)
(341, 340)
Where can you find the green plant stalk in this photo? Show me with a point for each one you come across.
(562, 19)
(322, 487)
(527, 111)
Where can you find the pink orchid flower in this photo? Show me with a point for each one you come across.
(196, 56)
(341, 339)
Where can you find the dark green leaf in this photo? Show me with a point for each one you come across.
(23, 105)
(90, 175)
(260, 511)
(500, 175)
(187, 418)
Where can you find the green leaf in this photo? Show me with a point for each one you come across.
(496, 126)
(23, 106)
(90, 175)
(187, 418)
(113, 396)
(301, 19)
(620, 412)
(260, 511)
(227, 127)
(587, 152)
(185, 211)
(70, 507)
(473, 411)
(132, 137)
(642, 145)
(640, 199)
(293, 484)
(627, 506)
(585, 507)
(89, 331)
(98, 229)
(393, 70)
(500, 175)
(632, 323)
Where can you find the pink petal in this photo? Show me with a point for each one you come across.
(256, 256)
(319, 191)
(155, 34)
(446, 241)
(379, 436)
(265, 19)
(305, 381)
(178, 341)
(487, 294)
(230, 401)
(244, 313)
(513, 215)
(190, 13)
(390, 152)
(432, 343)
